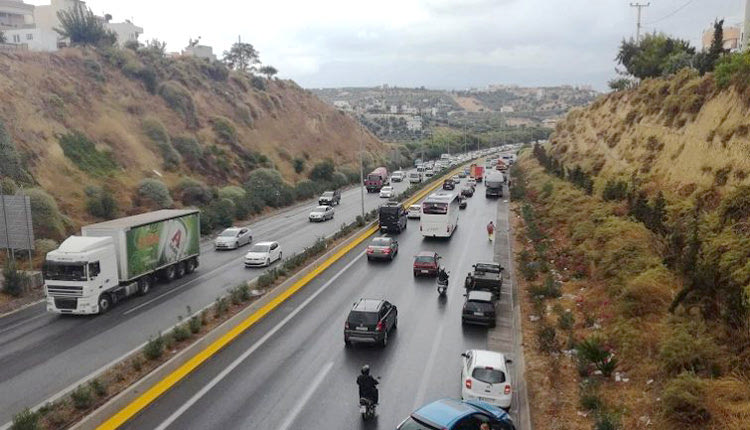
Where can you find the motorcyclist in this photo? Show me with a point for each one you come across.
(443, 276)
(367, 385)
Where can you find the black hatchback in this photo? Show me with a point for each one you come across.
(479, 308)
(370, 321)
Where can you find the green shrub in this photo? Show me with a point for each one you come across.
(82, 398)
(606, 420)
(83, 153)
(269, 187)
(100, 202)
(155, 192)
(589, 395)
(268, 278)
(547, 339)
(339, 179)
(306, 189)
(190, 150)
(195, 324)
(14, 280)
(8, 186)
(322, 171)
(180, 100)
(689, 347)
(137, 364)
(45, 215)
(93, 69)
(593, 351)
(226, 131)
(11, 164)
(299, 164)
(98, 387)
(615, 190)
(258, 83)
(566, 321)
(222, 211)
(154, 348)
(684, 400)
(549, 289)
(181, 332)
(193, 192)
(238, 196)
(43, 246)
(155, 130)
(25, 420)
(221, 307)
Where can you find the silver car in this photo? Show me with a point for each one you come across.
(233, 238)
(321, 213)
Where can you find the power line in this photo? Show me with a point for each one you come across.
(672, 13)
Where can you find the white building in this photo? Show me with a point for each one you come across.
(199, 51)
(126, 31)
(394, 109)
(414, 123)
(507, 109)
(342, 104)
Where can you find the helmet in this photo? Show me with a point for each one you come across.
(366, 369)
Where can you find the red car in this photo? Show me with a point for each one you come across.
(426, 263)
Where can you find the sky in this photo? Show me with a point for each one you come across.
(441, 44)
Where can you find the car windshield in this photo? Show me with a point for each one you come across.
(488, 376)
(415, 208)
(380, 241)
(65, 271)
(320, 209)
(260, 248)
(328, 194)
(387, 188)
(424, 259)
(228, 233)
(373, 177)
(490, 268)
(363, 318)
(434, 208)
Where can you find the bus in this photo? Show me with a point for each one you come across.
(439, 215)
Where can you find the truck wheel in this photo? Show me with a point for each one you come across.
(168, 274)
(180, 271)
(190, 266)
(105, 302)
(144, 286)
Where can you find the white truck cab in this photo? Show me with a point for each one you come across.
(77, 272)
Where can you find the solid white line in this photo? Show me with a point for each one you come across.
(218, 378)
(20, 323)
(27, 305)
(428, 368)
(306, 397)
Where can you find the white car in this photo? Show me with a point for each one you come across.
(263, 254)
(233, 238)
(414, 211)
(386, 192)
(398, 176)
(472, 182)
(485, 377)
(321, 213)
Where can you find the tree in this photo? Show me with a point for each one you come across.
(654, 55)
(82, 27)
(706, 61)
(621, 84)
(242, 57)
(269, 71)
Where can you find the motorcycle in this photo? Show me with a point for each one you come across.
(442, 285)
(366, 408)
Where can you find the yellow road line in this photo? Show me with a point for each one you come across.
(170, 380)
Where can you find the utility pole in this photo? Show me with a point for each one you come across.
(746, 27)
(639, 6)
(362, 167)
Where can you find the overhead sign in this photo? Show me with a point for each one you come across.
(16, 229)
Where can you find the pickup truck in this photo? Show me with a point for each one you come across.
(485, 277)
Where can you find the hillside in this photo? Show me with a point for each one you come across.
(112, 117)
(635, 255)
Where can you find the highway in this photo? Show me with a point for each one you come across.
(292, 371)
(42, 354)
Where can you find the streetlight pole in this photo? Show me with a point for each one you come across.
(362, 170)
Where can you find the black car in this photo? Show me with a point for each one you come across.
(370, 321)
(330, 198)
(467, 191)
(461, 202)
(479, 308)
(449, 184)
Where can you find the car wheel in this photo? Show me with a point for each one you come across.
(347, 343)
(391, 256)
(168, 274)
(190, 266)
(268, 261)
(384, 342)
(369, 258)
(180, 271)
(105, 302)
(395, 323)
(236, 245)
(280, 254)
(415, 274)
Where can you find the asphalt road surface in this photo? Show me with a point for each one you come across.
(42, 354)
(292, 370)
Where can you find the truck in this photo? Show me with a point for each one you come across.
(116, 259)
(392, 217)
(376, 180)
(493, 184)
(485, 277)
(501, 166)
(476, 171)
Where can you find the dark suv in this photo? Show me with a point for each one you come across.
(392, 217)
(370, 321)
(330, 198)
(479, 308)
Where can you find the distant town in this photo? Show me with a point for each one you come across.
(395, 113)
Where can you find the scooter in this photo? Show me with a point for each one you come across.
(442, 286)
(366, 408)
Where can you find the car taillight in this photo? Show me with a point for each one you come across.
(369, 251)
(379, 326)
(468, 384)
(507, 390)
(387, 250)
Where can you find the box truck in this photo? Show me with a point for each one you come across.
(493, 184)
(376, 180)
(476, 171)
(112, 260)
